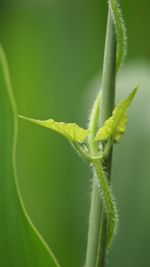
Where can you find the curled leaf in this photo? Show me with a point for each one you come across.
(71, 131)
(115, 126)
(120, 31)
(108, 203)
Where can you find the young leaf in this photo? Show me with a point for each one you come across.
(69, 130)
(120, 31)
(108, 203)
(20, 243)
(93, 120)
(115, 126)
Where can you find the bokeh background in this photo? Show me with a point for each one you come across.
(55, 52)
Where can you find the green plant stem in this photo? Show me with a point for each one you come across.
(96, 246)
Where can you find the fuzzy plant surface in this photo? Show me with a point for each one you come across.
(20, 242)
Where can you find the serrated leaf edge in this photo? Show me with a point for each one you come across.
(60, 131)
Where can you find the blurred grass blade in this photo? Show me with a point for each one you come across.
(120, 31)
(71, 131)
(20, 243)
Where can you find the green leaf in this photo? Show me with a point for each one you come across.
(115, 126)
(120, 31)
(69, 130)
(20, 243)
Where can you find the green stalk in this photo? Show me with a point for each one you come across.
(96, 246)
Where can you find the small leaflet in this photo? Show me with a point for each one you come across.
(69, 130)
(115, 125)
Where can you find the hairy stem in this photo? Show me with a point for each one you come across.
(96, 246)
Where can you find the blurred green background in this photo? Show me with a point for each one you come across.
(55, 52)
